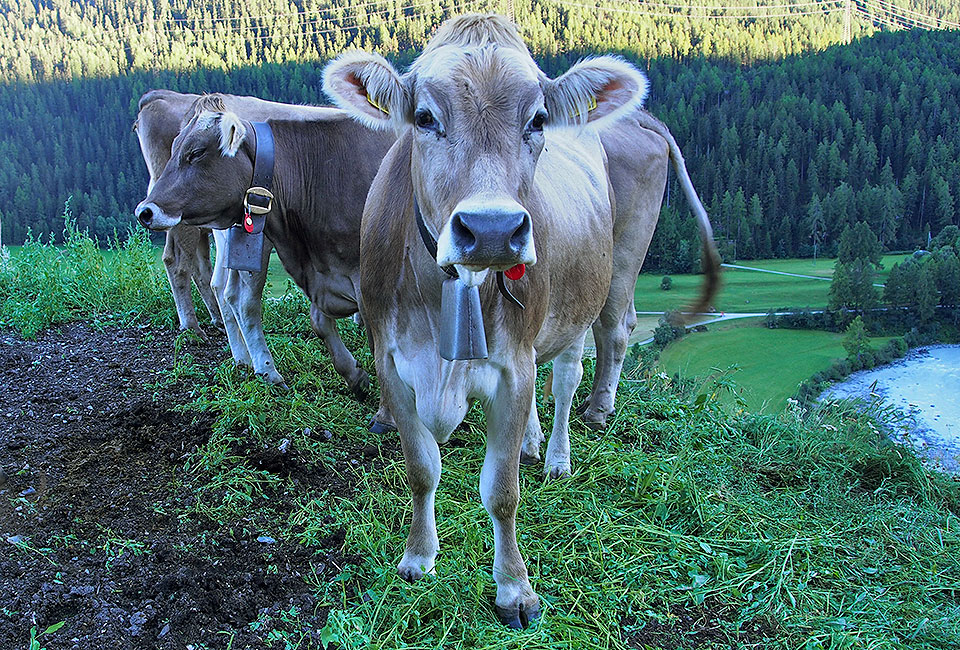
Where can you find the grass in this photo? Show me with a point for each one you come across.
(685, 524)
(750, 291)
(767, 364)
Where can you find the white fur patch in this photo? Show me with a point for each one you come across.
(232, 133)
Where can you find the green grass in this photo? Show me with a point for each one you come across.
(750, 291)
(804, 529)
(767, 364)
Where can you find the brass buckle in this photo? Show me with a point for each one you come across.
(262, 201)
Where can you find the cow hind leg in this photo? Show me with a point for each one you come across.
(202, 274)
(567, 373)
(516, 602)
(175, 262)
(612, 335)
(532, 437)
(344, 362)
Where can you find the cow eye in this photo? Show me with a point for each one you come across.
(194, 156)
(424, 120)
(537, 121)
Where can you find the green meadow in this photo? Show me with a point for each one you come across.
(751, 291)
(767, 365)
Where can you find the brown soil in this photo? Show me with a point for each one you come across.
(90, 449)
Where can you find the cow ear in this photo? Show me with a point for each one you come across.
(367, 87)
(593, 89)
(232, 134)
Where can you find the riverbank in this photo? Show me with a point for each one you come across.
(923, 392)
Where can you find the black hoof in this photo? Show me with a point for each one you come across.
(516, 619)
(378, 427)
(528, 460)
(581, 409)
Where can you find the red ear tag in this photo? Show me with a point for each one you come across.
(248, 223)
(516, 272)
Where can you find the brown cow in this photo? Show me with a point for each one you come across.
(494, 189)
(324, 165)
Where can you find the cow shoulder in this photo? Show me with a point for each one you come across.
(383, 230)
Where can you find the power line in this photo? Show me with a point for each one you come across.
(633, 12)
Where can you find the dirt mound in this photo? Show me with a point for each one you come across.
(91, 449)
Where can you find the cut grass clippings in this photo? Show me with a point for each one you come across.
(686, 524)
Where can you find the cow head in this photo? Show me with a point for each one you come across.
(206, 178)
(477, 106)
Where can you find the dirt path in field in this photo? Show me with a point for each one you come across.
(91, 524)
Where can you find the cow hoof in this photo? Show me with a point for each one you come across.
(517, 618)
(380, 428)
(595, 420)
(582, 408)
(412, 570)
(556, 473)
(360, 385)
(527, 459)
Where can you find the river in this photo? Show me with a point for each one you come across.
(924, 387)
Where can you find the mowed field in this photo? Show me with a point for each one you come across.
(752, 291)
(766, 364)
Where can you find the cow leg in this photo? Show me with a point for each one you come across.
(507, 415)
(421, 455)
(218, 283)
(245, 297)
(344, 363)
(612, 333)
(175, 261)
(567, 373)
(532, 436)
(202, 273)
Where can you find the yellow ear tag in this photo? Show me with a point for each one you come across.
(376, 105)
(590, 106)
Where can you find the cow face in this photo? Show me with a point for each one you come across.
(206, 178)
(477, 116)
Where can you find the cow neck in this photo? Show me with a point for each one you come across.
(431, 245)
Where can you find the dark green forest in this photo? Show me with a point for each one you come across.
(790, 134)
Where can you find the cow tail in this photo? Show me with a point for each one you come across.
(710, 258)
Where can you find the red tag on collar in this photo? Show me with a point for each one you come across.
(516, 272)
(248, 225)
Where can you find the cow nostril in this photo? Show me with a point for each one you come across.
(463, 236)
(521, 235)
(145, 216)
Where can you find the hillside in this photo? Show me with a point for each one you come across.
(789, 134)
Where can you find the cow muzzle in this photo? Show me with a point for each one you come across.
(487, 238)
(151, 216)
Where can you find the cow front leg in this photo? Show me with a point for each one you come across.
(245, 297)
(507, 415)
(421, 455)
(344, 362)
(175, 262)
(567, 373)
(218, 283)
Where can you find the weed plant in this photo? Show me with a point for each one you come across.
(44, 284)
